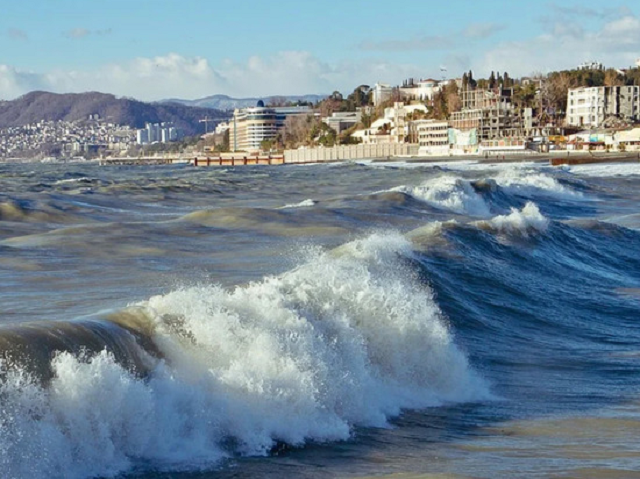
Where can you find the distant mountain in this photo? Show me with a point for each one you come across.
(226, 103)
(39, 105)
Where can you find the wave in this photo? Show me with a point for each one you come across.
(23, 211)
(276, 222)
(480, 197)
(527, 182)
(522, 222)
(303, 204)
(347, 339)
(604, 170)
(449, 193)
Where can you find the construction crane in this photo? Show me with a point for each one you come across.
(206, 121)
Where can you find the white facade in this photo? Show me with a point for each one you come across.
(157, 132)
(433, 137)
(250, 127)
(422, 90)
(589, 107)
(381, 93)
(591, 66)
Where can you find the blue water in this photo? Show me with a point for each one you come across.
(347, 320)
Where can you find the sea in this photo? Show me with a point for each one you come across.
(396, 319)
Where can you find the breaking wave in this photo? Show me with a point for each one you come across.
(449, 193)
(480, 197)
(347, 339)
(526, 182)
(522, 222)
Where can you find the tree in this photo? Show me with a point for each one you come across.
(492, 81)
(613, 78)
(277, 101)
(267, 145)
(472, 83)
(506, 81)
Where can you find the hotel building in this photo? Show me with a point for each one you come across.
(249, 127)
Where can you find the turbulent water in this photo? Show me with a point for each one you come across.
(346, 320)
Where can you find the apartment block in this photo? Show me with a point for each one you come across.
(589, 107)
(433, 136)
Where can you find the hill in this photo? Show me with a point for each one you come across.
(226, 103)
(39, 105)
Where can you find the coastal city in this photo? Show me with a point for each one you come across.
(589, 108)
(81, 139)
(339, 239)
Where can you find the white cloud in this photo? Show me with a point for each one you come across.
(14, 82)
(173, 75)
(616, 44)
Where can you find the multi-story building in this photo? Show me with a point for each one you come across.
(490, 112)
(157, 132)
(249, 127)
(432, 136)
(589, 107)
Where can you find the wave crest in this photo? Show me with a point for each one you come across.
(523, 222)
(347, 339)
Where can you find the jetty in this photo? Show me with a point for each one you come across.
(234, 159)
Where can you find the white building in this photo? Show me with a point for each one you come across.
(157, 132)
(250, 127)
(433, 137)
(392, 128)
(381, 93)
(591, 66)
(591, 106)
(422, 90)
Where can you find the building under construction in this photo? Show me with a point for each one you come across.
(492, 114)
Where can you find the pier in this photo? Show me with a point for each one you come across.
(234, 159)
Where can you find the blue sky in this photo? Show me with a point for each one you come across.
(190, 49)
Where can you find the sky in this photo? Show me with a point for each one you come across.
(159, 49)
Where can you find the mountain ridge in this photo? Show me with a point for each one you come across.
(38, 106)
(227, 103)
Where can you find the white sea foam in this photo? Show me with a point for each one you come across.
(302, 204)
(83, 179)
(520, 222)
(449, 193)
(605, 169)
(347, 339)
(528, 182)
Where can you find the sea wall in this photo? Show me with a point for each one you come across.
(350, 152)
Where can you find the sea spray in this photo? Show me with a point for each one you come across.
(527, 182)
(519, 222)
(449, 193)
(348, 338)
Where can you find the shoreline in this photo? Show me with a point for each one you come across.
(553, 158)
